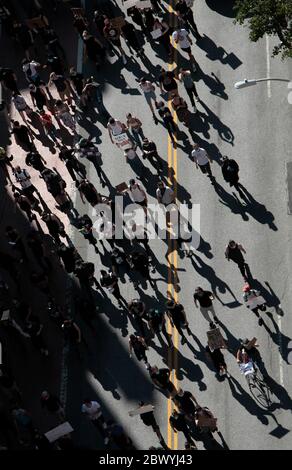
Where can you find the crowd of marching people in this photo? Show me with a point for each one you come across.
(58, 95)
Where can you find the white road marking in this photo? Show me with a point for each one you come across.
(280, 350)
(269, 90)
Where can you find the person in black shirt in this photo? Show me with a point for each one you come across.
(167, 82)
(137, 308)
(165, 113)
(150, 152)
(85, 225)
(156, 321)
(186, 403)
(38, 96)
(22, 135)
(88, 191)
(230, 170)
(53, 405)
(68, 255)
(160, 377)
(185, 15)
(216, 357)
(118, 259)
(178, 423)
(73, 165)
(54, 64)
(137, 18)
(234, 252)
(77, 79)
(35, 160)
(177, 316)
(148, 419)
(139, 261)
(129, 33)
(9, 79)
(110, 281)
(205, 299)
(33, 328)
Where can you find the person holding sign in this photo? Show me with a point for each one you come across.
(254, 301)
(161, 33)
(112, 34)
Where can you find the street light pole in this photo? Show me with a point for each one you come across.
(246, 83)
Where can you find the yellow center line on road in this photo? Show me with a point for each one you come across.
(172, 263)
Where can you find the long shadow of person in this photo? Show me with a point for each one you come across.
(186, 368)
(199, 125)
(281, 340)
(217, 87)
(214, 52)
(257, 210)
(230, 201)
(225, 133)
(204, 270)
(205, 248)
(246, 401)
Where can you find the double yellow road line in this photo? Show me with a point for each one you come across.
(172, 438)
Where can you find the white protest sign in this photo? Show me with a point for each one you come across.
(59, 431)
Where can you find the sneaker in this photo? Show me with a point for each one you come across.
(183, 340)
(261, 321)
(216, 320)
(227, 375)
(212, 325)
(124, 59)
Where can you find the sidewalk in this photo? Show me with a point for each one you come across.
(33, 372)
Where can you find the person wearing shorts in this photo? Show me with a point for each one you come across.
(149, 94)
(112, 34)
(182, 38)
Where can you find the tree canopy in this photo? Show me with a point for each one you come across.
(272, 17)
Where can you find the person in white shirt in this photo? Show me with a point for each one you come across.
(182, 38)
(92, 410)
(137, 194)
(115, 128)
(149, 92)
(202, 161)
(30, 70)
(164, 194)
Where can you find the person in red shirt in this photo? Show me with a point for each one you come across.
(49, 128)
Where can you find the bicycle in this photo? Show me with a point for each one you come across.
(256, 383)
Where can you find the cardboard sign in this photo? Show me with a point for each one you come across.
(141, 410)
(215, 339)
(156, 33)
(123, 141)
(143, 4)
(5, 315)
(38, 22)
(254, 301)
(121, 187)
(130, 3)
(118, 22)
(59, 431)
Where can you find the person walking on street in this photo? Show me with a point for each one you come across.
(38, 97)
(110, 281)
(148, 419)
(15, 241)
(62, 87)
(92, 410)
(87, 191)
(186, 403)
(148, 90)
(185, 77)
(113, 35)
(202, 161)
(151, 154)
(205, 299)
(53, 405)
(54, 225)
(138, 345)
(137, 194)
(137, 309)
(22, 134)
(230, 170)
(179, 105)
(157, 324)
(167, 83)
(36, 161)
(167, 118)
(178, 422)
(135, 127)
(5, 161)
(181, 37)
(165, 195)
(160, 378)
(27, 188)
(177, 317)
(21, 106)
(129, 33)
(234, 252)
(254, 301)
(183, 9)
(33, 327)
